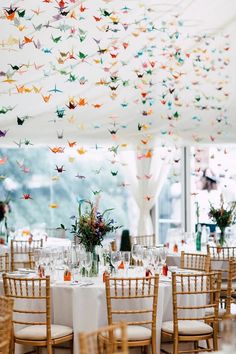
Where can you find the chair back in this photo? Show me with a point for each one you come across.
(93, 343)
(185, 290)
(22, 253)
(144, 240)
(4, 263)
(195, 261)
(31, 301)
(141, 310)
(221, 252)
(230, 290)
(5, 324)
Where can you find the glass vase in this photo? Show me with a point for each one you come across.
(94, 270)
(222, 237)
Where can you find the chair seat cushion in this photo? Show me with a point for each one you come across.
(188, 327)
(134, 333)
(38, 332)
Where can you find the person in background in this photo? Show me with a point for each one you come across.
(209, 191)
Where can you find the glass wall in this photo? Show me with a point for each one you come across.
(45, 187)
(169, 203)
(213, 177)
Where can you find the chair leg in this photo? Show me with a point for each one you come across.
(208, 344)
(195, 344)
(49, 349)
(175, 346)
(215, 339)
(12, 347)
(154, 345)
(71, 346)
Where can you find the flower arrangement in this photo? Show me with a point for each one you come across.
(223, 216)
(91, 226)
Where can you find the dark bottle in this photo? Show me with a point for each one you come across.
(198, 238)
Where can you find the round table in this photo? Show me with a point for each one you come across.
(84, 307)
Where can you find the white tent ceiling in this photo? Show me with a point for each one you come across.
(117, 71)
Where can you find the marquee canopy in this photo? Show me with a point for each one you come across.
(117, 71)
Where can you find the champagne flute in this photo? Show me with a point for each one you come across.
(126, 260)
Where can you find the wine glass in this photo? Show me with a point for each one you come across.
(155, 258)
(76, 256)
(126, 260)
(146, 257)
(37, 258)
(115, 259)
(136, 253)
(163, 255)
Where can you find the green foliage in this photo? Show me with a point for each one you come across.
(223, 216)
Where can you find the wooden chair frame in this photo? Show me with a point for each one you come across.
(22, 247)
(144, 240)
(33, 289)
(228, 276)
(192, 284)
(93, 342)
(221, 252)
(4, 263)
(195, 261)
(118, 289)
(6, 306)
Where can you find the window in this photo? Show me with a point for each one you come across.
(213, 174)
(169, 202)
(45, 187)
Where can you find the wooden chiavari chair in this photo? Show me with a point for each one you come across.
(192, 323)
(22, 253)
(144, 240)
(35, 318)
(195, 261)
(221, 252)
(227, 267)
(93, 342)
(228, 287)
(4, 263)
(5, 324)
(140, 313)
